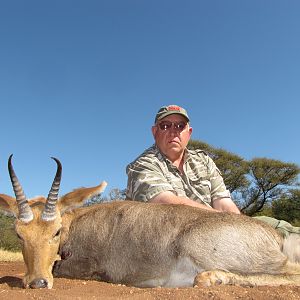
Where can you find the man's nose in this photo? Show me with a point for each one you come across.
(173, 130)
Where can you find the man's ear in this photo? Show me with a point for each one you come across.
(154, 130)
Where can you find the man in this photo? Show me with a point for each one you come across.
(168, 172)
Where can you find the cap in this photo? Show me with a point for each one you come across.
(170, 110)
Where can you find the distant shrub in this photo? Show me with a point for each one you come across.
(8, 238)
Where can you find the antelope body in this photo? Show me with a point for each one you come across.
(144, 244)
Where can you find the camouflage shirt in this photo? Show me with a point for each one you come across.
(152, 173)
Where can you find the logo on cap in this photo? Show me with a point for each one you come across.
(174, 107)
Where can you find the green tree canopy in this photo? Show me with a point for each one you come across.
(271, 179)
(288, 207)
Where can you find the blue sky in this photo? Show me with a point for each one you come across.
(82, 81)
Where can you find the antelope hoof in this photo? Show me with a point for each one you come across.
(211, 278)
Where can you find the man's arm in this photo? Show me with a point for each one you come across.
(220, 196)
(222, 204)
(168, 197)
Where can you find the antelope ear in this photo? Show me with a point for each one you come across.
(8, 204)
(77, 197)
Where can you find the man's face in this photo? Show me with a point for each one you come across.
(172, 135)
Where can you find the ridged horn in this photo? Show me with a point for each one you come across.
(25, 212)
(49, 212)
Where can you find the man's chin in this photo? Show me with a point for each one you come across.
(175, 148)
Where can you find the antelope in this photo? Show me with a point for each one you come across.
(143, 244)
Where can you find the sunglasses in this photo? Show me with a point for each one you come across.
(167, 125)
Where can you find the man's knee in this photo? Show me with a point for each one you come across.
(283, 227)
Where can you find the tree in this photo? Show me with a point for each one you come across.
(117, 194)
(288, 207)
(113, 195)
(271, 179)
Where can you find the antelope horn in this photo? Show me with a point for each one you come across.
(25, 212)
(49, 212)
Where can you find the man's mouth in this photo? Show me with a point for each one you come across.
(171, 142)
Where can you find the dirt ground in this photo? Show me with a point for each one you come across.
(11, 274)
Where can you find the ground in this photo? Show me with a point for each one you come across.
(11, 274)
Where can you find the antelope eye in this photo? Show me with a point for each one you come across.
(57, 233)
(19, 237)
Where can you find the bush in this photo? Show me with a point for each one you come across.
(8, 238)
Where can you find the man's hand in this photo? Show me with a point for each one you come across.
(225, 204)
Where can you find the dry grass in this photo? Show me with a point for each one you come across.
(10, 256)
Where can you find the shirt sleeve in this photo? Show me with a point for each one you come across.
(218, 188)
(145, 180)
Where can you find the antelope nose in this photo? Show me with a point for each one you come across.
(39, 283)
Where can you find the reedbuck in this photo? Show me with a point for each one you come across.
(142, 244)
